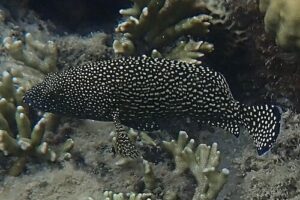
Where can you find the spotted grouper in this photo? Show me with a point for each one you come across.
(140, 92)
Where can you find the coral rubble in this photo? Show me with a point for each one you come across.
(153, 27)
(109, 195)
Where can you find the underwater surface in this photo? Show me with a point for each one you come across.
(149, 100)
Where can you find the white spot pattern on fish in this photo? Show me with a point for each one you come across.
(145, 90)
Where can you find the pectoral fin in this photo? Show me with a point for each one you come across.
(124, 146)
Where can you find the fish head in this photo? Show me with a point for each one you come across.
(47, 96)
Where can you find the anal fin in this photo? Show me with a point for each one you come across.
(228, 125)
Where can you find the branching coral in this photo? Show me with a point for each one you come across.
(203, 163)
(23, 141)
(33, 53)
(28, 143)
(153, 27)
(187, 51)
(282, 19)
(150, 179)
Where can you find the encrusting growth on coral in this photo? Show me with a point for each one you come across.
(202, 162)
(24, 142)
(148, 27)
(33, 53)
(282, 19)
(2, 16)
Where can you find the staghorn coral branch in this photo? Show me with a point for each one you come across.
(25, 140)
(35, 54)
(203, 163)
(148, 28)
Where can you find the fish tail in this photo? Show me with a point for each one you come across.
(263, 124)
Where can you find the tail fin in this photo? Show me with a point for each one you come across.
(263, 124)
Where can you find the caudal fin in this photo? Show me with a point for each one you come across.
(263, 124)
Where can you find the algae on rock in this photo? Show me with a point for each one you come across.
(77, 49)
(276, 175)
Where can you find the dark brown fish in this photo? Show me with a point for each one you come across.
(139, 92)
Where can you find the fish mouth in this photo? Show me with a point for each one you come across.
(27, 99)
(30, 99)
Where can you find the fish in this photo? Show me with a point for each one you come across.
(140, 92)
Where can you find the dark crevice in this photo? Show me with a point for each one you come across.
(80, 16)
